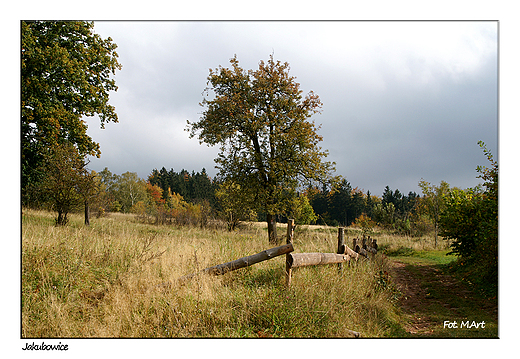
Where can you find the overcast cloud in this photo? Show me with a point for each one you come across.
(401, 100)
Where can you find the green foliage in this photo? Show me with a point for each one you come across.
(433, 201)
(301, 210)
(460, 219)
(470, 220)
(194, 187)
(65, 75)
(341, 205)
(235, 203)
(122, 192)
(261, 121)
(67, 183)
(384, 214)
(130, 190)
(365, 223)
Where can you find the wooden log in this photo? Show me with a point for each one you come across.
(371, 250)
(290, 230)
(244, 261)
(312, 259)
(351, 253)
(340, 239)
(288, 268)
(341, 246)
(250, 260)
(363, 252)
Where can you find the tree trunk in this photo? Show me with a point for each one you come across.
(87, 214)
(271, 228)
(62, 218)
(436, 231)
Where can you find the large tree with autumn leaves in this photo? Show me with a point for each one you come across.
(268, 144)
(66, 74)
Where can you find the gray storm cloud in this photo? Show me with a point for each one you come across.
(401, 100)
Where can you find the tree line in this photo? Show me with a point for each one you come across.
(164, 190)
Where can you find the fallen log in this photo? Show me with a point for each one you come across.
(296, 260)
(244, 261)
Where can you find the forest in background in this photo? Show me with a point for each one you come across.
(167, 196)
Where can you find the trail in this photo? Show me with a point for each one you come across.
(429, 297)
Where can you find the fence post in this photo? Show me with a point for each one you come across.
(288, 269)
(341, 246)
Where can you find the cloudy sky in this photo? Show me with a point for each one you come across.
(401, 100)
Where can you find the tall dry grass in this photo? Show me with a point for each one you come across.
(106, 280)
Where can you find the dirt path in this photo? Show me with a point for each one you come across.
(429, 297)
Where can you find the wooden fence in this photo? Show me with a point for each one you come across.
(366, 248)
(360, 248)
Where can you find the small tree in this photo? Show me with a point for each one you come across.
(365, 223)
(130, 189)
(236, 204)
(65, 180)
(433, 201)
(89, 189)
(301, 210)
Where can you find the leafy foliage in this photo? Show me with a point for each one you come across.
(432, 203)
(67, 182)
(470, 220)
(460, 219)
(194, 187)
(236, 206)
(339, 206)
(365, 223)
(260, 120)
(65, 75)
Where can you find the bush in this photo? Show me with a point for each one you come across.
(365, 223)
(470, 219)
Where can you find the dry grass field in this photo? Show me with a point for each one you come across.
(106, 280)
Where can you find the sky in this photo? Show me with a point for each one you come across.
(402, 101)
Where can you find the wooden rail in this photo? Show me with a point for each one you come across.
(244, 261)
(344, 254)
(295, 260)
(313, 259)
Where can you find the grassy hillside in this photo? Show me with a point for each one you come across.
(105, 281)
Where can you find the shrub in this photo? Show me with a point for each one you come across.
(470, 219)
(365, 223)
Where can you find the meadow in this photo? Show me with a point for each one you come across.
(108, 280)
